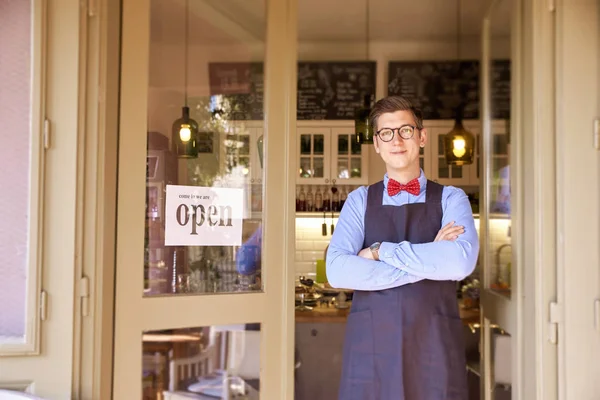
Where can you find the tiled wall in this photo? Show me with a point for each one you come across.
(311, 244)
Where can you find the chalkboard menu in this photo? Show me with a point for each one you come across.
(326, 90)
(242, 88)
(500, 81)
(333, 90)
(439, 87)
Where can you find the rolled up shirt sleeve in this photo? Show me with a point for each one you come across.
(345, 269)
(443, 260)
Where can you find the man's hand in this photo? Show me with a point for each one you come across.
(449, 232)
(366, 253)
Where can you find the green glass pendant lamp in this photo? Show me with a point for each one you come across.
(185, 129)
(459, 143)
(362, 123)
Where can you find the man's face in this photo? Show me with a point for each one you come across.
(399, 154)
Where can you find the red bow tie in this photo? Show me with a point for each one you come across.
(411, 187)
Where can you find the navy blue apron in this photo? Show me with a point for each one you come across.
(404, 343)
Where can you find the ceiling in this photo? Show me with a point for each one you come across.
(231, 21)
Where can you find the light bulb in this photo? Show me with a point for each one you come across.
(458, 148)
(185, 133)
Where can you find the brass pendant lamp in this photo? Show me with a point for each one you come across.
(362, 124)
(185, 129)
(459, 143)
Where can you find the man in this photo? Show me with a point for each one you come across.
(401, 244)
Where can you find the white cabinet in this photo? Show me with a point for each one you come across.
(433, 160)
(327, 154)
(239, 153)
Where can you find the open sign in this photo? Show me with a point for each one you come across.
(201, 216)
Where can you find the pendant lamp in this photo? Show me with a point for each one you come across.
(362, 124)
(185, 129)
(459, 143)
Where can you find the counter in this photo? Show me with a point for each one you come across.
(335, 315)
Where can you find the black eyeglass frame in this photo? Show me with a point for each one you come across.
(414, 128)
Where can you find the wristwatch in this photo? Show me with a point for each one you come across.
(375, 250)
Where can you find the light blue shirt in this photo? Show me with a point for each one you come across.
(404, 262)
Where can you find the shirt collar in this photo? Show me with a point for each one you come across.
(422, 180)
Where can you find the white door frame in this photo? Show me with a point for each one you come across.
(578, 197)
(48, 367)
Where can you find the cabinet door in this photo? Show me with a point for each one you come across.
(349, 161)
(442, 172)
(236, 155)
(314, 156)
(425, 160)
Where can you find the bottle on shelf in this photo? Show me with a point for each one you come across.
(335, 199)
(326, 200)
(310, 200)
(302, 197)
(318, 200)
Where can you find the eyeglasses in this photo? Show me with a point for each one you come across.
(405, 131)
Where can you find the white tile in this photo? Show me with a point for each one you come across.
(299, 255)
(305, 267)
(312, 255)
(305, 245)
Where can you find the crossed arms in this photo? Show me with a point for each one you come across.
(451, 256)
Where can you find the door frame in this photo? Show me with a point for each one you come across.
(578, 195)
(273, 308)
(48, 369)
(526, 314)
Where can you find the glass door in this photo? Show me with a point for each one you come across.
(202, 229)
(498, 217)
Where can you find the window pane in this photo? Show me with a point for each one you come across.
(355, 167)
(319, 167)
(342, 144)
(457, 172)
(15, 136)
(356, 147)
(305, 169)
(443, 170)
(342, 168)
(441, 146)
(498, 239)
(205, 152)
(319, 141)
(305, 144)
(220, 362)
(500, 142)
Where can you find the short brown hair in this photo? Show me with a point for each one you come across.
(392, 104)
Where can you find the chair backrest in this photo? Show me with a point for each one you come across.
(183, 369)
